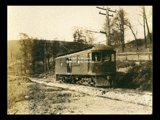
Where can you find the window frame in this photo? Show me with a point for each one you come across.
(108, 52)
(113, 59)
(100, 56)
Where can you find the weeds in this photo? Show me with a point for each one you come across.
(138, 77)
(16, 90)
(123, 64)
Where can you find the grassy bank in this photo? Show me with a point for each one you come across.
(26, 97)
(16, 90)
(138, 77)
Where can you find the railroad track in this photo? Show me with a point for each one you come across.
(129, 95)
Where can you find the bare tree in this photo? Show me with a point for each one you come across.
(144, 15)
(116, 38)
(111, 25)
(131, 28)
(120, 20)
(78, 35)
(145, 24)
(89, 36)
(26, 48)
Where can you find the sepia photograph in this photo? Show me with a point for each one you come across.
(80, 60)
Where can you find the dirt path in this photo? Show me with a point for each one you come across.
(129, 95)
(43, 99)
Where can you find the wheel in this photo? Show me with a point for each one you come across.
(81, 81)
(89, 81)
(73, 80)
(93, 82)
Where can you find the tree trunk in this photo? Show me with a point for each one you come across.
(25, 64)
(122, 39)
(122, 30)
(34, 69)
(48, 64)
(134, 36)
(147, 24)
(145, 40)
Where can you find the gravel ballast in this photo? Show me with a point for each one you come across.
(143, 98)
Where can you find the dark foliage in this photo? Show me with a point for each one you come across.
(138, 77)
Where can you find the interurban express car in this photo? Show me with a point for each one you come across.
(96, 66)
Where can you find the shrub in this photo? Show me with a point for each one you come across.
(138, 77)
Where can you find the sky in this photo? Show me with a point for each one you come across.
(57, 22)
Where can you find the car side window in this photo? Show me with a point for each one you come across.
(96, 56)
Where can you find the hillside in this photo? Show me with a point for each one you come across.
(132, 47)
(13, 51)
(40, 56)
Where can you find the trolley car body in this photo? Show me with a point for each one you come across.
(97, 64)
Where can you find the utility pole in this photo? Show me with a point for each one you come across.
(108, 43)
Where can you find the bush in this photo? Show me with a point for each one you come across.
(138, 77)
(123, 64)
